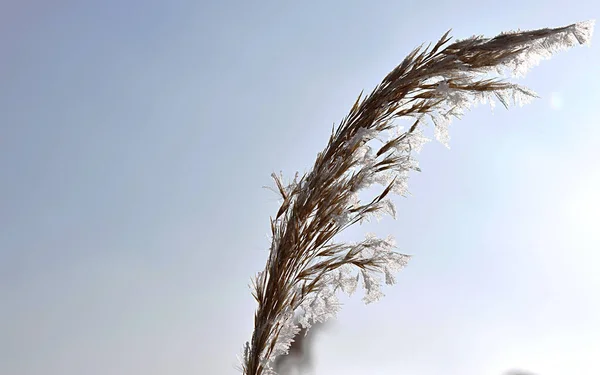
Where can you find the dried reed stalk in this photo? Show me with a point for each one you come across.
(306, 268)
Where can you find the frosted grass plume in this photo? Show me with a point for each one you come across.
(306, 267)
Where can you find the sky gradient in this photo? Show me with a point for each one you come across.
(136, 136)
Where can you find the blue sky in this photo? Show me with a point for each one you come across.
(135, 141)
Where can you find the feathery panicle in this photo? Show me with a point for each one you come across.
(306, 267)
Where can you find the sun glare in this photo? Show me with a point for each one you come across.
(556, 101)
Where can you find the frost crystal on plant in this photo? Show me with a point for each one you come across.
(544, 48)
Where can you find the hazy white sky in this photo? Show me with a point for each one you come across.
(135, 137)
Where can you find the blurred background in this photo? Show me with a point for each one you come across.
(136, 136)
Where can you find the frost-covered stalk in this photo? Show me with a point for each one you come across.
(306, 267)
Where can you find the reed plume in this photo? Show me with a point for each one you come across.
(306, 267)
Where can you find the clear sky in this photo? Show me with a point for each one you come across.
(136, 136)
